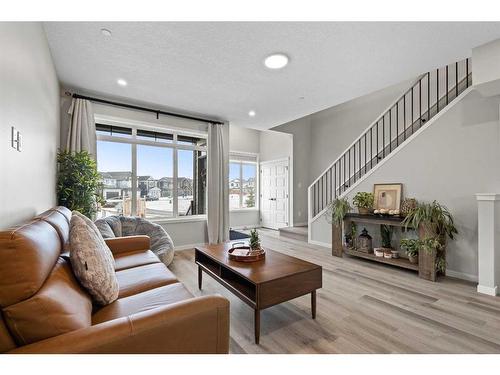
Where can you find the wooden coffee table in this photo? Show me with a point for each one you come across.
(273, 280)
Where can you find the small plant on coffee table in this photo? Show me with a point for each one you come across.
(254, 240)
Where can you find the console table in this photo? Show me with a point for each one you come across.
(426, 264)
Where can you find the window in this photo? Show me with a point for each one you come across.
(114, 164)
(243, 181)
(170, 172)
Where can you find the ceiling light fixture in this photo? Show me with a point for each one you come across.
(106, 32)
(121, 82)
(251, 113)
(276, 61)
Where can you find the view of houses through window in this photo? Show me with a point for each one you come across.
(171, 173)
(242, 183)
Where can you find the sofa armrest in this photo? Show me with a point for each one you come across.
(197, 325)
(130, 243)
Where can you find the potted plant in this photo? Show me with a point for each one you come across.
(337, 209)
(410, 246)
(78, 182)
(254, 241)
(435, 224)
(364, 202)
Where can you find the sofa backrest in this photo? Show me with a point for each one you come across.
(39, 296)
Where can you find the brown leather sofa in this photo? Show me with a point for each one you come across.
(45, 310)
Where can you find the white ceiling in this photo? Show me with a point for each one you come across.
(216, 69)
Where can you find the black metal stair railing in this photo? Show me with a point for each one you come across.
(429, 95)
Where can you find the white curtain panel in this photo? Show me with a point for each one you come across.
(81, 132)
(217, 185)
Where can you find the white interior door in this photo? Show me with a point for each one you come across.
(274, 205)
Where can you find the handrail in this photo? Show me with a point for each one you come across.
(367, 130)
(337, 177)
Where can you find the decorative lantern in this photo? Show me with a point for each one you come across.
(365, 242)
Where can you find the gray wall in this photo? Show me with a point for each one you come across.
(454, 158)
(318, 139)
(29, 100)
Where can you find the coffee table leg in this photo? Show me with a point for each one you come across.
(313, 304)
(257, 325)
(199, 277)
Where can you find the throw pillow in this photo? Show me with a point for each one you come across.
(93, 226)
(91, 261)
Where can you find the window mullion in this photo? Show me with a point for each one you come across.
(133, 210)
(174, 189)
(241, 185)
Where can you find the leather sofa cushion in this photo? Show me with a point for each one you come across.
(133, 259)
(145, 301)
(139, 279)
(28, 254)
(60, 306)
(60, 224)
(6, 341)
(65, 211)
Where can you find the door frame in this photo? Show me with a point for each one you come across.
(289, 162)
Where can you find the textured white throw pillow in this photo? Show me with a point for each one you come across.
(92, 261)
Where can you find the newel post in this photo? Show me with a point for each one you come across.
(488, 223)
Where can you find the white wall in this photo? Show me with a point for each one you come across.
(247, 141)
(275, 145)
(486, 71)
(29, 100)
(454, 158)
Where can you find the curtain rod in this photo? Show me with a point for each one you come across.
(130, 106)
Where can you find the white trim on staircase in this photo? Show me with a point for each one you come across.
(395, 151)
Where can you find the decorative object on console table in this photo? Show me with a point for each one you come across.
(364, 202)
(365, 242)
(387, 196)
(337, 209)
(407, 206)
(435, 223)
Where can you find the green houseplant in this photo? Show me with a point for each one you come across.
(411, 246)
(78, 182)
(336, 211)
(386, 232)
(364, 202)
(435, 225)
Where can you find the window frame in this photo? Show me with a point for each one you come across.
(134, 141)
(233, 158)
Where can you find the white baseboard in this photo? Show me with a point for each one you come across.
(187, 247)
(245, 227)
(301, 224)
(491, 291)
(461, 275)
(319, 243)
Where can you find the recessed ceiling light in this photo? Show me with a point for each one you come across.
(121, 82)
(251, 113)
(106, 32)
(276, 61)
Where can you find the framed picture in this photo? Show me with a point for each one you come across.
(387, 196)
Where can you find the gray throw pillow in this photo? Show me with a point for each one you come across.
(92, 261)
(92, 226)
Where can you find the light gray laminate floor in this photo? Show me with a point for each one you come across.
(363, 307)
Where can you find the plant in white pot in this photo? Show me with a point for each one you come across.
(364, 202)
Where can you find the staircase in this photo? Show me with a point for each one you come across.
(428, 95)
